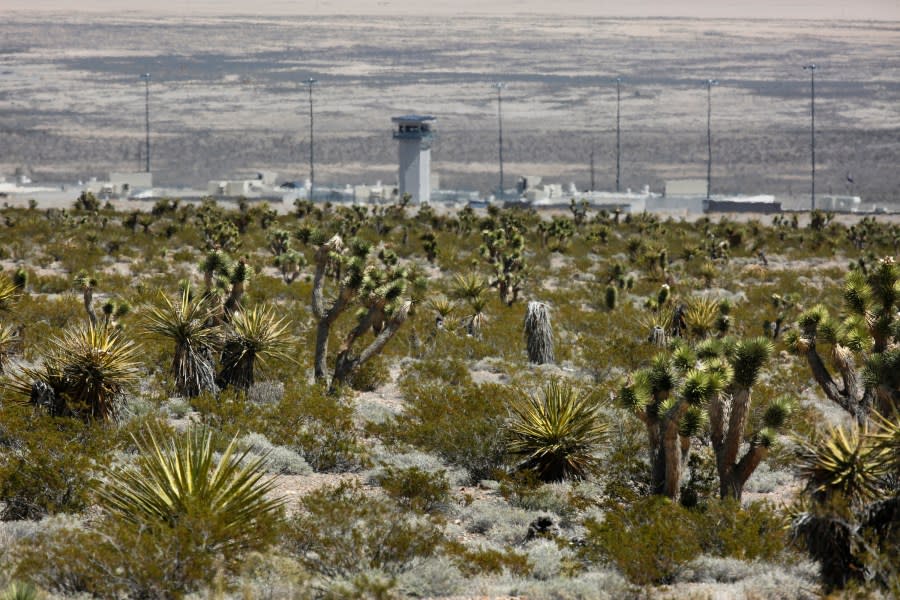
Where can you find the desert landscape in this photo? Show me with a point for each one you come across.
(318, 401)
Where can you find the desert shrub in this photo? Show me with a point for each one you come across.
(751, 532)
(415, 488)
(370, 375)
(317, 425)
(47, 464)
(279, 459)
(20, 591)
(460, 425)
(340, 531)
(451, 371)
(487, 561)
(117, 560)
(651, 542)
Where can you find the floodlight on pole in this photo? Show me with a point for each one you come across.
(812, 129)
(709, 85)
(618, 133)
(146, 78)
(499, 86)
(312, 165)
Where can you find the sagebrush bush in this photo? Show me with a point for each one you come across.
(458, 424)
(415, 489)
(341, 531)
(47, 465)
(651, 542)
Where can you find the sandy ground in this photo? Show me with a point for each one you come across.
(884, 10)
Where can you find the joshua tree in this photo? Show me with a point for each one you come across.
(221, 274)
(85, 373)
(870, 333)
(191, 325)
(470, 289)
(683, 392)
(253, 338)
(538, 334)
(557, 433)
(86, 284)
(378, 290)
(429, 244)
(504, 249)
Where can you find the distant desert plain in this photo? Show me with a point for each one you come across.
(227, 91)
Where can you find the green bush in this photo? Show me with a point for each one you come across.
(415, 488)
(460, 424)
(342, 532)
(654, 539)
(370, 375)
(651, 542)
(47, 464)
(752, 532)
(318, 426)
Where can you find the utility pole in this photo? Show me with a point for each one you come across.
(812, 129)
(146, 78)
(709, 84)
(618, 133)
(312, 168)
(500, 85)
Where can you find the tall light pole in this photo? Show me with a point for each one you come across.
(312, 165)
(709, 85)
(146, 78)
(500, 85)
(812, 129)
(618, 132)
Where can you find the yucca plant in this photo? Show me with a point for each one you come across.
(190, 323)
(85, 373)
(850, 521)
(226, 505)
(844, 463)
(254, 338)
(19, 591)
(443, 308)
(8, 292)
(701, 315)
(538, 333)
(8, 338)
(557, 433)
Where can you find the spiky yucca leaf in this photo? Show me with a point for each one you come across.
(557, 433)
(18, 590)
(700, 315)
(255, 338)
(748, 358)
(8, 292)
(777, 412)
(8, 337)
(469, 286)
(660, 375)
(693, 421)
(844, 463)
(181, 481)
(190, 324)
(87, 368)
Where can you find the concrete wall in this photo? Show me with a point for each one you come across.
(686, 187)
(689, 205)
(415, 170)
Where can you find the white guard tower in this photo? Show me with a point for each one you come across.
(414, 135)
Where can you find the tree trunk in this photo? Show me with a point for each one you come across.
(849, 398)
